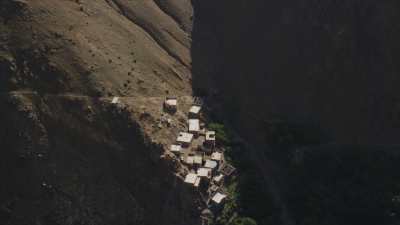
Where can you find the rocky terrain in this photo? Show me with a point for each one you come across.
(68, 155)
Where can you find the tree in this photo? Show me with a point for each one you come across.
(244, 221)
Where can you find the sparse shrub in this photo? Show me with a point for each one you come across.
(244, 221)
(222, 136)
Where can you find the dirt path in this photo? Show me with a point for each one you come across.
(72, 95)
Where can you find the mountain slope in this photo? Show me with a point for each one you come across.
(69, 156)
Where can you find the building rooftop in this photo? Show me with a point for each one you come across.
(218, 178)
(198, 159)
(204, 172)
(115, 100)
(211, 164)
(194, 125)
(185, 137)
(218, 198)
(210, 136)
(175, 148)
(195, 109)
(191, 178)
(171, 101)
(217, 156)
(189, 160)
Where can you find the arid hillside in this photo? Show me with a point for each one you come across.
(96, 47)
(68, 155)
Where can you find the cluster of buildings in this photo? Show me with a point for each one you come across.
(196, 148)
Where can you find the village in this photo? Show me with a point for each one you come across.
(204, 161)
(195, 149)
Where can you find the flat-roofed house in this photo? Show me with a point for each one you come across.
(211, 164)
(194, 126)
(192, 179)
(198, 160)
(189, 160)
(185, 139)
(218, 198)
(175, 149)
(115, 100)
(210, 139)
(218, 179)
(204, 172)
(171, 104)
(217, 156)
(194, 111)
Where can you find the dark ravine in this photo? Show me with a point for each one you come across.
(330, 62)
(327, 65)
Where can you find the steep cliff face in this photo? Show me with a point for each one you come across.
(68, 155)
(332, 62)
(327, 71)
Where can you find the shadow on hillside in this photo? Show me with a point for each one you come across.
(330, 61)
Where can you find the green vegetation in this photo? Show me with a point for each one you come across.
(231, 205)
(249, 202)
(244, 221)
(222, 135)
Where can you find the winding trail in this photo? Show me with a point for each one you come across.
(73, 95)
